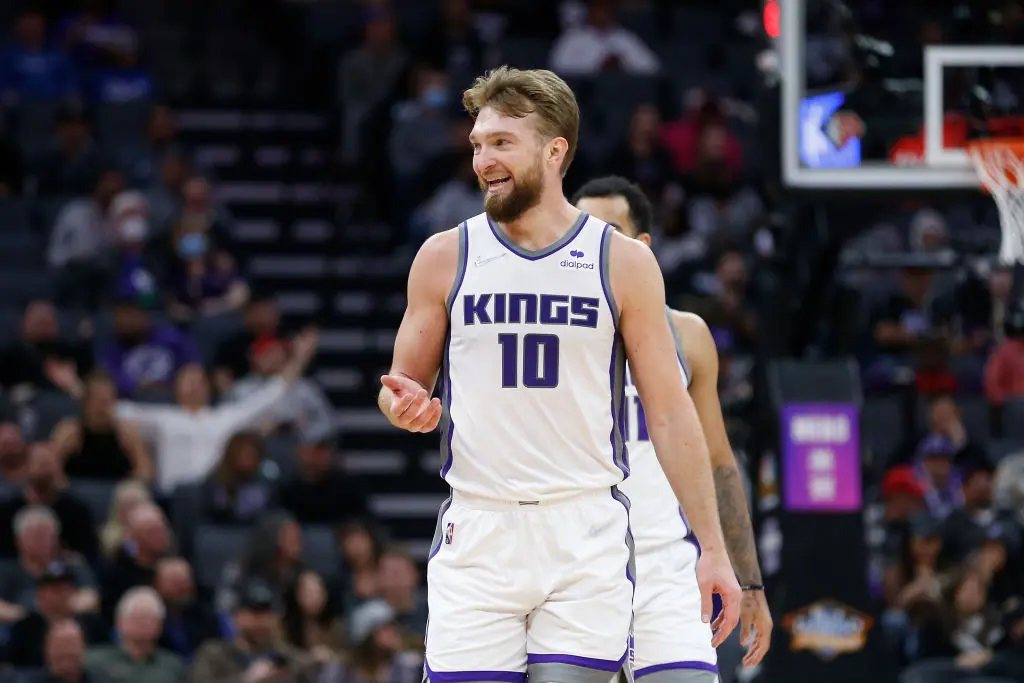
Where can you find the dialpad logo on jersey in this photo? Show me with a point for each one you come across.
(576, 262)
(828, 628)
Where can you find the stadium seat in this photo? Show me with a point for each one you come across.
(186, 509)
(215, 548)
(281, 451)
(120, 124)
(1013, 419)
(320, 550)
(19, 248)
(97, 495)
(49, 408)
(209, 331)
(881, 421)
(36, 121)
(14, 216)
(525, 53)
(18, 285)
(1001, 448)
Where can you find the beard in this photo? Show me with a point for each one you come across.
(525, 195)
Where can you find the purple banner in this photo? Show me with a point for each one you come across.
(821, 457)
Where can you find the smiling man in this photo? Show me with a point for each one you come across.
(531, 310)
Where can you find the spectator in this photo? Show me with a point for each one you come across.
(601, 45)
(940, 480)
(54, 603)
(304, 410)
(133, 273)
(454, 45)
(123, 80)
(321, 493)
(141, 164)
(80, 241)
(912, 582)
(257, 653)
(128, 495)
(97, 445)
(907, 315)
(367, 77)
(310, 624)
(190, 621)
(144, 355)
(725, 305)
(136, 657)
(148, 540)
(47, 486)
(30, 70)
(377, 652)
(165, 191)
(683, 138)
(449, 204)
(361, 549)
(642, 157)
(273, 554)
(74, 163)
(1004, 373)
(902, 498)
(946, 419)
(64, 650)
(94, 35)
(237, 492)
(37, 530)
(190, 437)
(12, 163)
(262, 320)
(32, 359)
(420, 128)
(967, 526)
(13, 453)
(399, 584)
(203, 277)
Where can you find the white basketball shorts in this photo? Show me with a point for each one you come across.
(671, 643)
(544, 588)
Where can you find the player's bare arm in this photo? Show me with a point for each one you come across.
(419, 344)
(672, 419)
(702, 357)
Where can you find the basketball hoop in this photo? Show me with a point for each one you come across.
(1000, 166)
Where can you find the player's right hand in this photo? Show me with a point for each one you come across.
(411, 407)
(715, 575)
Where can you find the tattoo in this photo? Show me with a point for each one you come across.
(736, 526)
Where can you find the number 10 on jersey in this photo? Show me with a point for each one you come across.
(536, 354)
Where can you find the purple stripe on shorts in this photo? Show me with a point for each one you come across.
(671, 666)
(472, 676)
(585, 662)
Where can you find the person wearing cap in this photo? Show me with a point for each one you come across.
(304, 410)
(257, 654)
(55, 590)
(937, 475)
(376, 651)
(136, 656)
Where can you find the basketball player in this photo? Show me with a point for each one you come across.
(530, 310)
(670, 638)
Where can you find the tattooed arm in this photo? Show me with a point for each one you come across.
(702, 357)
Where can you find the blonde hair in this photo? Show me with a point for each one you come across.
(518, 93)
(112, 534)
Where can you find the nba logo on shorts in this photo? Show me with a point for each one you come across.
(449, 533)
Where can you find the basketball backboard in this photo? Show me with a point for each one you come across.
(893, 114)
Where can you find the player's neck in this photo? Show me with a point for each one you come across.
(544, 224)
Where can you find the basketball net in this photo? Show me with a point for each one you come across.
(1000, 169)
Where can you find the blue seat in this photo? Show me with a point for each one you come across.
(320, 550)
(18, 285)
(14, 216)
(97, 495)
(215, 547)
(20, 248)
(122, 123)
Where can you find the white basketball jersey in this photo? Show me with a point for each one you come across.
(655, 517)
(534, 369)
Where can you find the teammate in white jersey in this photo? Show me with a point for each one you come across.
(530, 311)
(672, 644)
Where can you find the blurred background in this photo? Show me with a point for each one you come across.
(198, 197)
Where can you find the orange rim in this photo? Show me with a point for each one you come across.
(987, 146)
